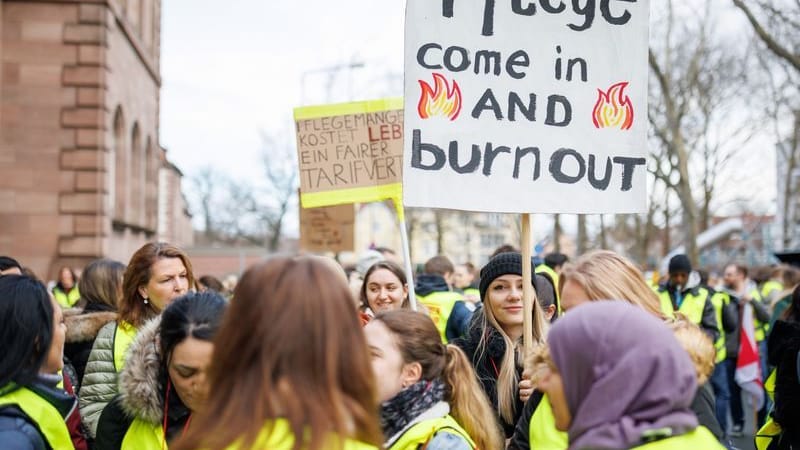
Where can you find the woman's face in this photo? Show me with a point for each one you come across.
(55, 355)
(572, 295)
(551, 384)
(188, 370)
(385, 292)
(391, 373)
(66, 278)
(505, 299)
(168, 281)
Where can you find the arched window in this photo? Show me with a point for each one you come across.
(137, 177)
(119, 175)
(151, 183)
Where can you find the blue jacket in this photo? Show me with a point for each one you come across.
(17, 431)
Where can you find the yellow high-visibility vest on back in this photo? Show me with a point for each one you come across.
(143, 435)
(440, 305)
(699, 438)
(420, 433)
(277, 435)
(542, 432)
(720, 300)
(45, 416)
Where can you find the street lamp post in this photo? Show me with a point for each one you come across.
(331, 72)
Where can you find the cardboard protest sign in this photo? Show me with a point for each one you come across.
(526, 105)
(350, 152)
(328, 228)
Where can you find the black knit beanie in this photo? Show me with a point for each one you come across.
(501, 264)
(680, 264)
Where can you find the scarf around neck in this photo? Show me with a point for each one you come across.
(403, 408)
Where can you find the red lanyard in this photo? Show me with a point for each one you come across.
(166, 412)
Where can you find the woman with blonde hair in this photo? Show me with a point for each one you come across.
(493, 342)
(429, 393)
(291, 368)
(606, 275)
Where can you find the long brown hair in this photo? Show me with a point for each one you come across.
(418, 340)
(289, 347)
(100, 282)
(132, 308)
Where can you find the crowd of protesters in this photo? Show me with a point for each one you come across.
(306, 354)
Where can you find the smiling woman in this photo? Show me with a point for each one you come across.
(494, 339)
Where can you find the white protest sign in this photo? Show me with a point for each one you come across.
(526, 105)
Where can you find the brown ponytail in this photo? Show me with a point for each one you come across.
(469, 405)
(419, 341)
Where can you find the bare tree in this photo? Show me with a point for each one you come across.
(439, 221)
(774, 22)
(557, 233)
(205, 184)
(776, 78)
(692, 108)
(280, 187)
(583, 237)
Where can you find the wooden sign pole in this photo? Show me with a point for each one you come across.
(527, 286)
(401, 222)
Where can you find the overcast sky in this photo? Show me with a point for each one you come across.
(231, 71)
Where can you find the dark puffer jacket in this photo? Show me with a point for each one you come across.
(487, 364)
(783, 352)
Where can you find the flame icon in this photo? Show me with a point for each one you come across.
(442, 100)
(613, 108)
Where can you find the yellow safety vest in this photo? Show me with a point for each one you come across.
(546, 270)
(542, 432)
(420, 433)
(720, 300)
(440, 305)
(143, 435)
(278, 435)
(472, 292)
(67, 299)
(761, 327)
(692, 305)
(43, 414)
(770, 430)
(123, 338)
(769, 287)
(699, 438)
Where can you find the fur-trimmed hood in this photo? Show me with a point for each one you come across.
(139, 387)
(83, 326)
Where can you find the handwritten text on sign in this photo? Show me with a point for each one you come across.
(349, 151)
(328, 228)
(526, 106)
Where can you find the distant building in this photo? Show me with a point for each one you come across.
(82, 172)
(752, 246)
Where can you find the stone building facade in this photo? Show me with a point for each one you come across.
(80, 158)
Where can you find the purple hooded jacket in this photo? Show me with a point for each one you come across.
(625, 376)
